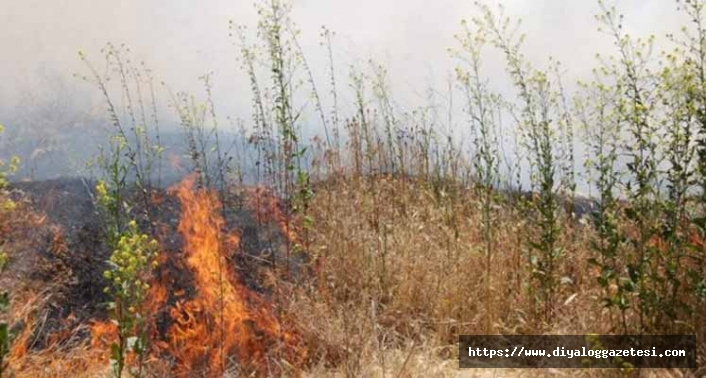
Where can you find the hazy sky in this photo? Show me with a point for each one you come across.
(182, 39)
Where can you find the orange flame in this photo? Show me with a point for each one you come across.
(103, 333)
(203, 315)
(223, 318)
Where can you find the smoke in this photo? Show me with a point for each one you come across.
(183, 39)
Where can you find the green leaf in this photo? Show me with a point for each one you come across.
(115, 352)
(700, 222)
(4, 301)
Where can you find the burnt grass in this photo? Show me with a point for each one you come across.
(67, 252)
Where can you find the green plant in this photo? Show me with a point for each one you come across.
(262, 135)
(136, 125)
(679, 95)
(601, 118)
(566, 150)
(193, 116)
(6, 169)
(691, 52)
(638, 103)
(4, 260)
(5, 336)
(277, 120)
(481, 108)
(541, 134)
(109, 192)
(131, 266)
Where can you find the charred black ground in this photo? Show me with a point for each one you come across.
(67, 251)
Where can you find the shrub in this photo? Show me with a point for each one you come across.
(131, 266)
(600, 117)
(482, 107)
(539, 123)
(131, 262)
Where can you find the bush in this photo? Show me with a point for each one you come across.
(131, 265)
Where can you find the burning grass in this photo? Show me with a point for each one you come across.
(205, 319)
(223, 318)
(391, 272)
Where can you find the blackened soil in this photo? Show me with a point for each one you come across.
(67, 251)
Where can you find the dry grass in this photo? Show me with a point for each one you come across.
(399, 274)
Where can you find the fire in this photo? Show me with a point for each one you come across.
(223, 318)
(18, 349)
(103, 333)
(203, 319)
(265, 205)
